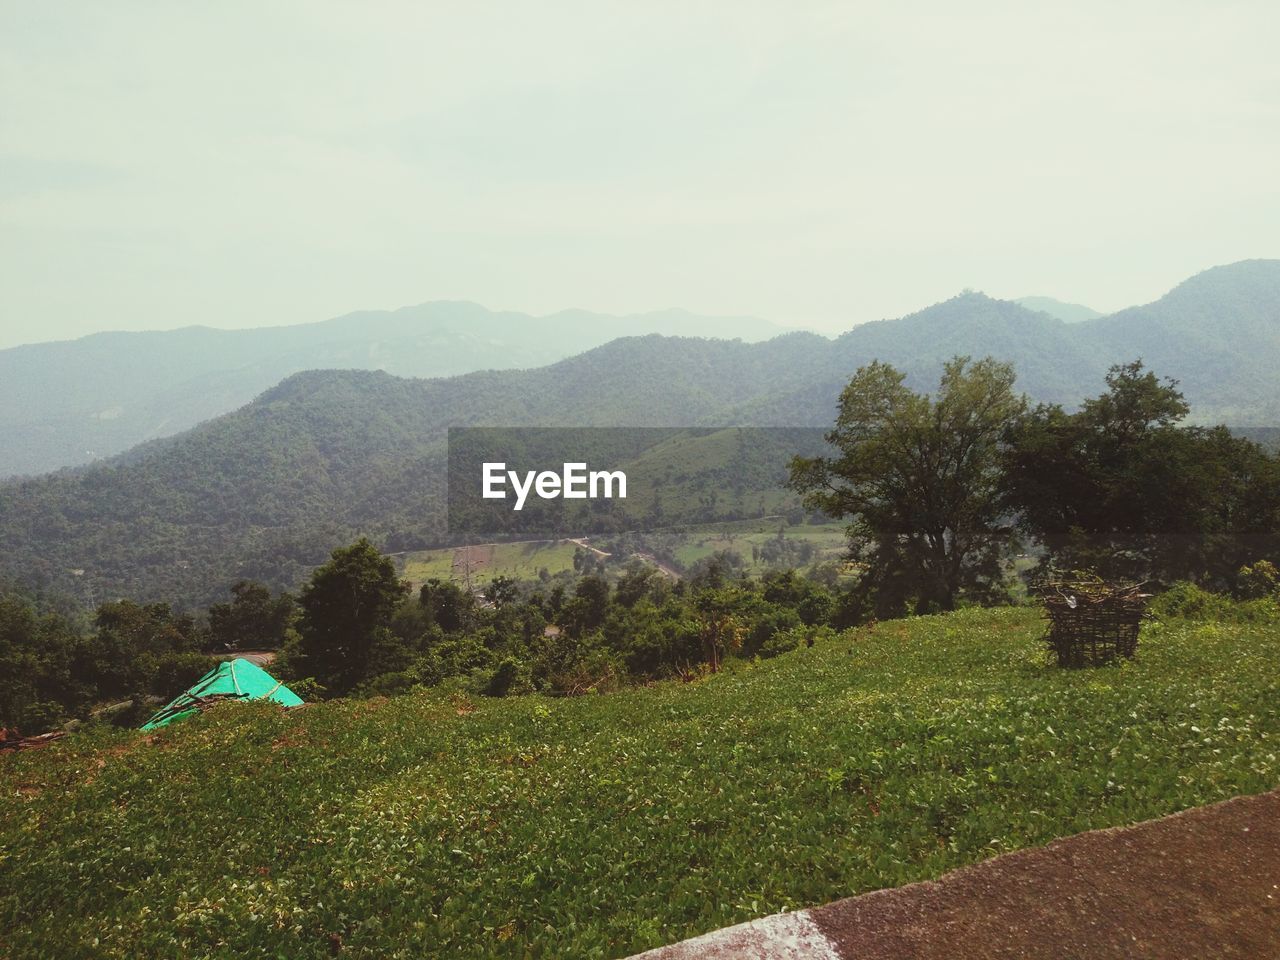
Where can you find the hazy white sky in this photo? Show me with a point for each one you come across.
(820, 164)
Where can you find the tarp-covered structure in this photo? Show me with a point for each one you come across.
(237, 679)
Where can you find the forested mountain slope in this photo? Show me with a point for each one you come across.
(1218, 333)
(69, 403)
(267, 490)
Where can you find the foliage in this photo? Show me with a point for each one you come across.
(442, 825)
(520, 637)
(919, 478)
(253, 620)
(1190, 602)
(42, 663)
(719, 625)
(1121, 489)
(344, 633)
(51, 670)
(1259, 580)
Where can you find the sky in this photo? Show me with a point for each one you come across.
(818, 164)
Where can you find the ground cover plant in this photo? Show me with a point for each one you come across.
(438, 825)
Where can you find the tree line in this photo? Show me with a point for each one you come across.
(946, 495)
(57, 664)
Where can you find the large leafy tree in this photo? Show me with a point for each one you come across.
(347, 609)
(253, 620)
(123, 658)
(919, 478)
(1121, 489)
(447, 605)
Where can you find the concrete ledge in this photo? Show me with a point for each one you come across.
(784, 936)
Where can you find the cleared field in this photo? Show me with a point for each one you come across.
(750, 539)
(525, 561)
(521, 561)
(423, 565)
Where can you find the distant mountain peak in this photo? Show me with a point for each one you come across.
(1066, 312)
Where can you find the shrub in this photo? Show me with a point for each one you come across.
(793, 638)
(1259, 581)
(771, 621)
(1187, 601)
(41, 716)
(595, 672)
(508, 677)
(174, 672)
(309, 689)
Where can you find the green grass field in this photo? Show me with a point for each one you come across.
(423, 565)
(595, 827)
(740, 536)
(520, 561)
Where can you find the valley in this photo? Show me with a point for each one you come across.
(759, 545)
(265, 491)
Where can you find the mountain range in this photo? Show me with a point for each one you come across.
(73, 402)
(267, 490)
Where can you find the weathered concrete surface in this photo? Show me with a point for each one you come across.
(784, 936)
(1201, 883)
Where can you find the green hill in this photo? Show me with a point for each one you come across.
(1218, 333)
(426, 825)
(266, 492)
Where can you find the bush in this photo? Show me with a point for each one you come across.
(41, 716)
(309, 689)
(595, 672)
(509, 677)
(1187, 601)
(383, 685)
(771, 621)
(785, 641)
(174, 672)
(1259, 581)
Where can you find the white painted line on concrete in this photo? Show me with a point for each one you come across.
(784, 936)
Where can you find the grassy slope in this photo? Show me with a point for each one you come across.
(595, 827)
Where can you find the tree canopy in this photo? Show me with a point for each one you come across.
(1121, 489)
(347, 608)
(919, 478)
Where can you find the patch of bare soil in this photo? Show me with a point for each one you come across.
(1202, 883)
(262, 658)
(469, 562)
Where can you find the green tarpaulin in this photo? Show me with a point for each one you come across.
(233, 679)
